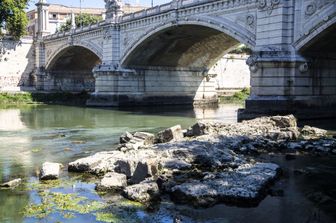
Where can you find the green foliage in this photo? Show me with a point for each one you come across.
(40, 98)
(81, 20)
(238, 97)
(13, 16)
(19, 98)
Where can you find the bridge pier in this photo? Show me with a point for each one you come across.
(293, 84)
(152, 86)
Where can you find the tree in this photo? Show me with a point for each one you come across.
(13, 17)
(80, 20)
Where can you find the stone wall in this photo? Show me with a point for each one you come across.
(232, 72)
(153, 85)
(17, 64)
(67, 81)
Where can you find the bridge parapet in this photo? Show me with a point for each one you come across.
(79, 30)
(191, 6)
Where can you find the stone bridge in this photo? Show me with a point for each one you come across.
(162, 55)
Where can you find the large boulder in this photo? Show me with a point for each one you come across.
(245, 185)
(144, 169)
(112, 181)
(50, 171)
(126, 137)
(198, 129)
(285, 121)
(146, 191)
(12, 183)
(99, 163)
(148, 138)
(174, 133)
(309, 132)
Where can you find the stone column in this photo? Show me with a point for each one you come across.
(110, 77)
(42, 18)
(42, 30)
(277, 70)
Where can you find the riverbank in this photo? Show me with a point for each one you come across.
(237, 98)
(36, 98)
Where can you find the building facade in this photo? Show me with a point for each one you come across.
(59, 14)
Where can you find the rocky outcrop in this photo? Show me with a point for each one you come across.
(135, 141)
(12, 183)
(144, 192)
(208, 166)
(309, 132)
(112, 181)
(50, 171)
(244, 185)
(174, 134)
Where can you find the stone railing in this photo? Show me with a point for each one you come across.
(75, 31)
(162, 8)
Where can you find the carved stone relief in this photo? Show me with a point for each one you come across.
(269, 5)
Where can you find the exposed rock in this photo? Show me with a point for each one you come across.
(144, 169)
(174, 133)
(126, 167)
(285, 121)
(148, 138)
(206, 169)
(126, 137)
(175, 164)
(200, 128)
(12, 183)
(50, 171)
(309, 132)
(245, 184)
(112, 181)
(146, 191)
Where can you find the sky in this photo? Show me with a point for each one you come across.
(96, 3)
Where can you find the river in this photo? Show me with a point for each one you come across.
(31, 135)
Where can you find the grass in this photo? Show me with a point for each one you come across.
(237, 98)
(16, 98)
(43, 98)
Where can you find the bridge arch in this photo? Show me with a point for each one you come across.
(70, 68)
(174, 59)
(227, 33)
(319, 49)
(315, 34)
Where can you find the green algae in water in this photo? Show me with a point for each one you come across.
(65, 204)
(106, 217)
(36, 150)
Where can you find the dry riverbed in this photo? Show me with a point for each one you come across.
(209, 163)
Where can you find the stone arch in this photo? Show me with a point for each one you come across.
(314, 34)
(225, 27)
(319, 50)
(70, 69)
(53, 56)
